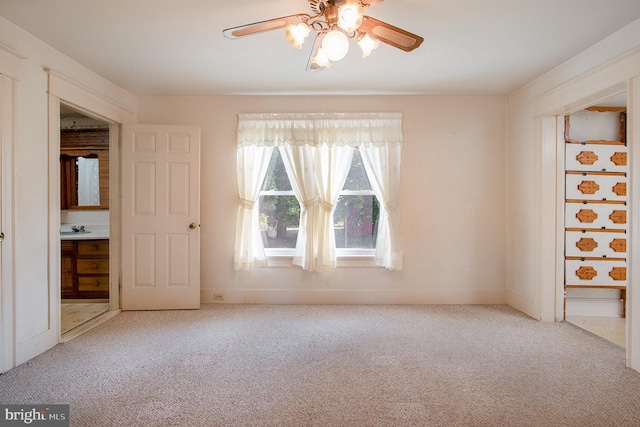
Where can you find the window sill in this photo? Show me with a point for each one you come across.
(346, 258)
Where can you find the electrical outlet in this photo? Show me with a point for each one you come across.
(218, 297)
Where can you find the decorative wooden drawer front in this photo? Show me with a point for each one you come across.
(596, 157)
(596, 215)
(93, 247)
(67, 247)
(92, 266)
(595, 273)
(595, 244)
(66, 267)
(85, 268)
(93, 283)
(596, 187)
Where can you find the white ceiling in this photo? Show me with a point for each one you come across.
(176, 47)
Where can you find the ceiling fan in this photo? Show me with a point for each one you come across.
(334, 22)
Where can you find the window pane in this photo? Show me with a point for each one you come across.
(277, 178)
(357, 178)
(279, 213)
(356, 222)
(279, 221)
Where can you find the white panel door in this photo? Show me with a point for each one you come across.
(160, 217)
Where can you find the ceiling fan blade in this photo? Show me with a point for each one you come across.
(262, 26)
(314, 50)
(370, 2)
(390, 35)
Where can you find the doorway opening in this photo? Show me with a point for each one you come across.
(596, 223)
(84, 220)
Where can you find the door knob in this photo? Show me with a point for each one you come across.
(193, 225)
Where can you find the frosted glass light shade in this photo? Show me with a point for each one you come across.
(367, 44)
(321, 59)
(350, 16)
(335, 45)
(297, 33)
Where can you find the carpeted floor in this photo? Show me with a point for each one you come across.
(261, 365)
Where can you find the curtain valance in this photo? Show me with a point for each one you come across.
(342, 129)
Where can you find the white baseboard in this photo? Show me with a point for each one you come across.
(351, 296)
(522, 304)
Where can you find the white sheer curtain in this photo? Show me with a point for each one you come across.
(253, 162)
(383, 169)
(298, 161)
(331, 167)
(320, 146)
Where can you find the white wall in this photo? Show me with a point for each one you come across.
(453, 204)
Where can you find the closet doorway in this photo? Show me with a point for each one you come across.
(596, 222)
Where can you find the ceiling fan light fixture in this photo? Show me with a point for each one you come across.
(367, 44)
(297, 33)
(333, 23)
(350, 16)
(335, 45)
(321, 59)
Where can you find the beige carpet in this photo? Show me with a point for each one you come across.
(257, 365)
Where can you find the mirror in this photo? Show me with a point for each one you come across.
(84, 181)
(81, 181)
(88, 181)
(84, 161)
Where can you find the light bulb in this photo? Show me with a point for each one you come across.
(335, 45)
(350, 16)
(297, 33)
(321, 59)
(367, 44)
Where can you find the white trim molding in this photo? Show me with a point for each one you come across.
(633, 275)
(614, 77)
(602, 82)
(10, 61)
(112, 104)
(63, 89)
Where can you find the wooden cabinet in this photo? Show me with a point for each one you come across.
(66, 265)
(596, 209)
(85, 268)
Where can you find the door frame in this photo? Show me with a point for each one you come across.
(616, 77)
(73, 94)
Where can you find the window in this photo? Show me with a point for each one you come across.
(318, 186)
(355, 218)
(279, 208)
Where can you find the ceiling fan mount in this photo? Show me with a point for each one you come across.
(334, 22)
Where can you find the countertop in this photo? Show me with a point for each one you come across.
(93, 232)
